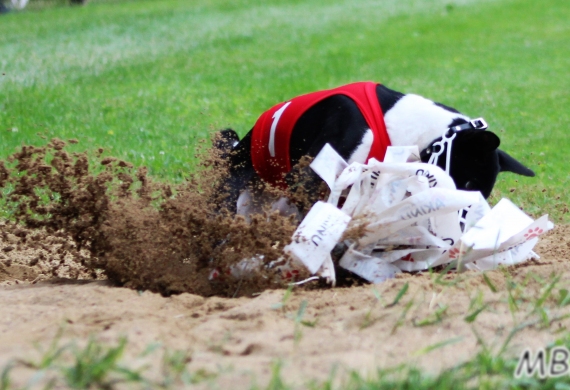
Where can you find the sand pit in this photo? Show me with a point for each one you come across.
(239, 339)
(117, 255)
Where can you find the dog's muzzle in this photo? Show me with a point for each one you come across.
(447, 138)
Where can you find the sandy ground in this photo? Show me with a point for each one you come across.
(240, 339)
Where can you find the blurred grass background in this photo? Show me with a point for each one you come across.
(148, 80)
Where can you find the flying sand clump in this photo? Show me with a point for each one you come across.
(136, 231)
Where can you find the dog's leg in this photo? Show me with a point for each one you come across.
(224, 142)
(241, 172)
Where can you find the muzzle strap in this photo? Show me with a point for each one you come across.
(447, 138)
(477, 124)
(440, 146)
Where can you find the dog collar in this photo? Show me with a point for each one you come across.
(447, 141)
(478, 124)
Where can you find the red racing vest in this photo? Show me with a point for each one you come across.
(272, 132)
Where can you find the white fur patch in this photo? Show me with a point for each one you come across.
(250, 203)
(361, 152)
(245, 204)
(415, 120)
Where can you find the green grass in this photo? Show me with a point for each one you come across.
(148, 79)
(100, 365)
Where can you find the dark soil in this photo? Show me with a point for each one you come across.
(112, 220)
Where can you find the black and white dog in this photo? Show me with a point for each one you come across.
(359, 121)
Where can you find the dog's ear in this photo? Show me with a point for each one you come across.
(509, 164)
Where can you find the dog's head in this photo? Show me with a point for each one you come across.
(475, 160)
